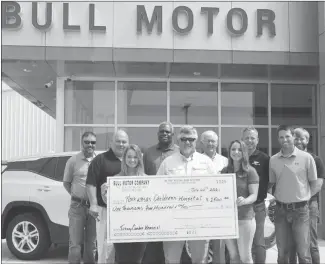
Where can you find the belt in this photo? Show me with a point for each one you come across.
(292, 206)
(81, 201)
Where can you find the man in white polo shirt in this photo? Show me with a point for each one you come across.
(209, 141)
(293, 171)
(186, 162)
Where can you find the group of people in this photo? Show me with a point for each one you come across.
(293, 176)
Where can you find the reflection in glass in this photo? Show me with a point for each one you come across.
(72, 137)
(89, 102)
(144, 137)
(194, 103)
(312, 145)
(141, 102)
(293, 104)
(229, 134)
(243, 104)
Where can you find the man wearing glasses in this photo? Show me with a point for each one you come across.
(152, 158)
(82, 227)
(186, 162)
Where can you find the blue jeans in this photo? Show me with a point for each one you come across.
(314, 250)
(129, 253)
(292, 229)
(258, 248)
(82, 231)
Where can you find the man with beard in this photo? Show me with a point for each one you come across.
(260, 161)
(186, 162)
(152, 158)
(82, 227)
(105, 165)
(301, 142)
(293, 172)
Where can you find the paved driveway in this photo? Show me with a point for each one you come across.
(59, 255)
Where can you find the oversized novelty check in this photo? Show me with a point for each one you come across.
(169, 208)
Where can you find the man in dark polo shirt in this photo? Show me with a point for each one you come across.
(301, 142)
(152, 158)
(260, 161)
(293, 171)
(104, 165)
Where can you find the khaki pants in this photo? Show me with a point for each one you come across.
(106, 253)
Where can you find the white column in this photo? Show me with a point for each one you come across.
(59, 114)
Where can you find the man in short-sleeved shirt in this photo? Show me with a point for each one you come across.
(301, 142)
(104, 165)
(260, 161)
(209, 141)
(186, 162)
(152, 158)
(82, 227)
(293, 172)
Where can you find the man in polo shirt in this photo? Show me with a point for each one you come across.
(301, 142)
(152, 158)
(104, 165)
(209, 141)
(293, 172)
(260, 161)
(82, 227)
(186, 162)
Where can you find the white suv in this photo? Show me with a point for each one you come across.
(35, 206)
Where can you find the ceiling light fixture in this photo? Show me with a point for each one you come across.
(197, 73)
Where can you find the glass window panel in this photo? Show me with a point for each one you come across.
(293, 104)
(72, 137)
(89, 102)
(229, 134)
(141, 102)
(243, 71)
(200, 130)
(144, 137)
(243, 104)
(285, 72)
(194, 103)
(312, 145)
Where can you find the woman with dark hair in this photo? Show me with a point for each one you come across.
(247, 181)
(132, 165)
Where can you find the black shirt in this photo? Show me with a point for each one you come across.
(103, 165)
(320, 173)
(260, 161)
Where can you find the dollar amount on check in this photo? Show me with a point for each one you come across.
(169, 208)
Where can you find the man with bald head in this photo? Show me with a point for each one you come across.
(209, 141)
(152, 158)
(105, 165)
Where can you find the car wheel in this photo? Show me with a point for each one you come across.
(27, 236)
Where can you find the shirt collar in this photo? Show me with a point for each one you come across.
(82, 155)
(170, 147)
(215, 154)
(189, 158)
(294, 153)
(255, 153)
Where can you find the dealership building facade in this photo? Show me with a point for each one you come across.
(223, 66)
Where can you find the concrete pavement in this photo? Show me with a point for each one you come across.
(59, 255)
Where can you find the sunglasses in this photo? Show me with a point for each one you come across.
(184, 139)
(88, 142)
